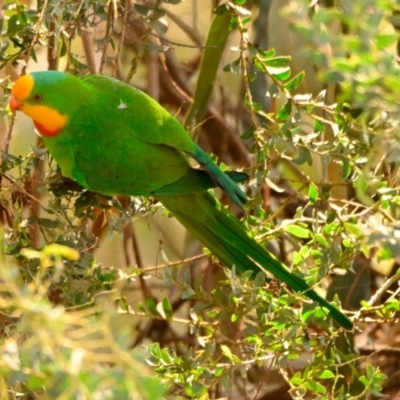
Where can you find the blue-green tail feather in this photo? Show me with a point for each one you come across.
(230, 188)
(225, 237)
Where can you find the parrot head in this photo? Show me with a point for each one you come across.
(42, 97)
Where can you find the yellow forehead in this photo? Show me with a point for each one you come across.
(22, 87)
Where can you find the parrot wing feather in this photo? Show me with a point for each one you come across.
(158, 127)
(196, 180)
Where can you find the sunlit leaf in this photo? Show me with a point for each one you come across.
(297, 231)
(284, 112)
(312, 193)
(295, 82)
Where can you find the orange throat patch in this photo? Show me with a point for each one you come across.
(44, 131)
(48, 122)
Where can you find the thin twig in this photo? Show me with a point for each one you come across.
(8, 140)
(107, 37)
(35, 36)
(376, 297)
(9, 134)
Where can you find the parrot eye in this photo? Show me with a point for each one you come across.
(37, 97)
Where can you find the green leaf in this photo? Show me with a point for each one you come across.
(107, 277)
(316, 253)
(166, 357)
(315, 387)
(280, 73)
(265, 55)
(384, 40)
(356, 230)
(195, 389)
(321, 240)
(188, 293)
(327, 375)
(297, 231)
(295, 82)
(284, 112)
(297, 258)
(151, 306)
(35, 382)
(278, 62)
(392, 304)
(187, 278)
(297, 380)
(346, 243)
(312, 194)
(346, 170)
(228, 353)
(259, 280)
(319, 126)
(164, 308)
(248, 133)
(384, 253)
(304, 156)
(148, 11)
(260, 65)
(256, 106)
(235, 67)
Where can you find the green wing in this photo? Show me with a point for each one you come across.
(153, 138)
(195, 181)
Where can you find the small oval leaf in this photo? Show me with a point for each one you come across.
(297, 231)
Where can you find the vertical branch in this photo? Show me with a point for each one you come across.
(107, 37)
(142, 48)
(121, 40)
(129, 234)
(27, 58)
(8, 137)
(3, 124)
(88, 50)
(52, 48)
(258, 130)
(3, 129)
(153, 83)
(37, 177)
(34, 199)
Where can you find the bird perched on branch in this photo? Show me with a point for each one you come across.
(115, 140)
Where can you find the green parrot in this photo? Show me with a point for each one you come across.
(115, 140)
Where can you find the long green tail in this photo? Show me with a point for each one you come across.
(226, 238)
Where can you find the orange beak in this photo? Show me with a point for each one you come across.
(15, 104)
